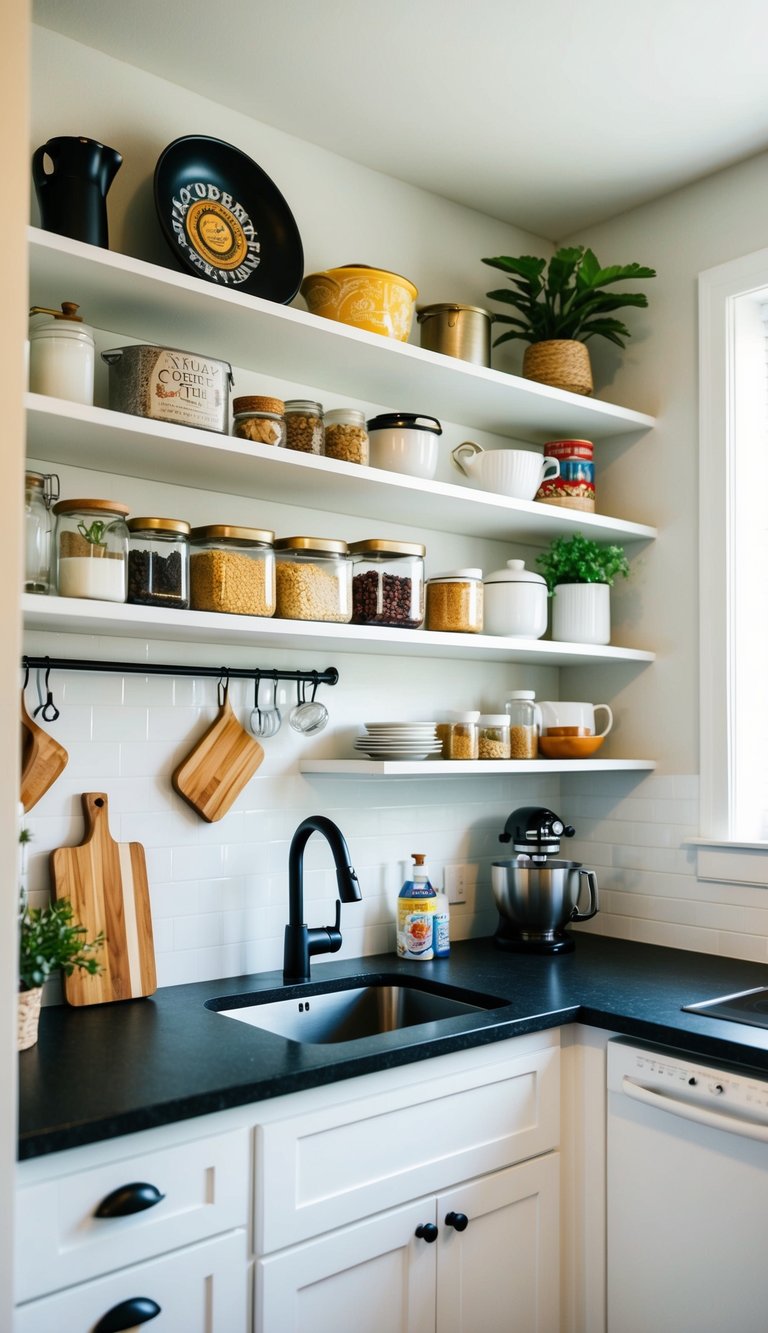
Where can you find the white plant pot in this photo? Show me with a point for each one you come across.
(581, 613)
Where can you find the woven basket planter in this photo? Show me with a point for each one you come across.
(28, 1012)
(561, 362)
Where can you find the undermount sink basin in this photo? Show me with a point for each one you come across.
(362, 1008)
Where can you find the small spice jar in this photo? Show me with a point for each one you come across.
(455, 601)
(91, 549)
(304, 428)
(524, 724)
(387, 583)
(493, 736)
(41, 489)
(232, 569)
(158, 562)
(459, 735)
(61, 354)
(346, 435)
(259, 419)
(314, 579)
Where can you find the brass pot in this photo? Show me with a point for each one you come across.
(561, 362)
(463, 331)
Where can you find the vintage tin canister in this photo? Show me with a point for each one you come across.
(168, 384)
(575, 486)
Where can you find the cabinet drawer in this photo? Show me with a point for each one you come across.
(324, 1169)
(60, 1241)
(200, 1289)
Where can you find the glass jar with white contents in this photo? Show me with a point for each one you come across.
(91, 549)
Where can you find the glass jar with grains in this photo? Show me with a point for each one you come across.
(304, 428)
(387, 583)
(455, 601)
(314, 579)
(259, 419)
(524, 724)
(91, 549)
(232, 569)
(459, 735)
(346, 435)
(158, 562)
(493, 736)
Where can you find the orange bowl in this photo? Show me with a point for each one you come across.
(569, 747)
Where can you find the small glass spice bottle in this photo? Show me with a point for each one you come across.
(259, 419)
(493, 736)
(459, 735)
(524, 724)
(304, 429)
(346, 435)
(158, 562)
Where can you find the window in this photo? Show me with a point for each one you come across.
(733, 545)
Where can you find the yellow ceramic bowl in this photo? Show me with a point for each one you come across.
(368, 298)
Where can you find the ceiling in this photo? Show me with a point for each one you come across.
(552, 115)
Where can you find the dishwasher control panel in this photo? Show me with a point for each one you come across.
(674, 1075)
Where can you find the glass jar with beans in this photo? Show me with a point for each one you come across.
(158, 562)
(459, 735)
(493, 736)
(346, 435)
(304, 429)
(314, 579)
(387, 583)
(455, 602)
(259, 419)
(232, 569)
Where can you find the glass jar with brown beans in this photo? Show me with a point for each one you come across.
(304, 429)
(387, 583)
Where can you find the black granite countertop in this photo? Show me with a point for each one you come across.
(115, 1069)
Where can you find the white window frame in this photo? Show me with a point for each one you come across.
(721, 315)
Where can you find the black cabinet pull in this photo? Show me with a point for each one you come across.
(129, 1199)
(459, 1221)
(138, 1310)
(428, 1232)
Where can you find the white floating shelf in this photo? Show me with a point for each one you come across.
(451, 768)
(156, 304)
(73, 615)
(92, 437)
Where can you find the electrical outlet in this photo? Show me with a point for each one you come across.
(458, 881)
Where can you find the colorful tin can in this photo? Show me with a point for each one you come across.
(575, 487)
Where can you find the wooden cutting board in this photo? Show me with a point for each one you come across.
(43, 759)
(107, 884)
(215, 771)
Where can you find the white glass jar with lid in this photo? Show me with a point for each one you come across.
(387, 583)
(493, 736)
(232, 570)
(158, 562)
(91, 549)
(515, 602)
(454, 602)
(314, 579)
(524, 724)
(346, 435)
(41, 490)
(459, 734)
(61, 354)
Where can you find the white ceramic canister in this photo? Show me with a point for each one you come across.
(405, 442)
(61, 354)
(515, 602)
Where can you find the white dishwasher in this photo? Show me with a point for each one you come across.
(687, 1195)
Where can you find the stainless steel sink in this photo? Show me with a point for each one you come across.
(322, 1016)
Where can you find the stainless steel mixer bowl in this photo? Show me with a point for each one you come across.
(540, 900)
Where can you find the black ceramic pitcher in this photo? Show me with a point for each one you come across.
(73, 194)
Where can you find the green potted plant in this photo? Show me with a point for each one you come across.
(579, 574)
(49, 939)
(560, 304)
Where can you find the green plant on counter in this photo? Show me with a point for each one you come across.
(578, 559)
(565, 299)
(94, 533)
(49, 938)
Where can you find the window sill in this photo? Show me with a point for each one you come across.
(727, 861)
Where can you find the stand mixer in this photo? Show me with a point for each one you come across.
(538, 896)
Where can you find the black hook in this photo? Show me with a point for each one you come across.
(25, 664)
(222, 688)
(48, 709)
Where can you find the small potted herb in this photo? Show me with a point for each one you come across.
(559, 305)
(579, 574)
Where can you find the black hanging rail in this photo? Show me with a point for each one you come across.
(328, 677)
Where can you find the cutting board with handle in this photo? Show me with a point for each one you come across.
(106, 882)
(43, 759)
(217, 769)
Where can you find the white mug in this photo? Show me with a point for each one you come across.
(572, 719)
(517, 473)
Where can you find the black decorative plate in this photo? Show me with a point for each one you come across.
(225, 220)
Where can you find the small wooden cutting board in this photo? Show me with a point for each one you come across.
(106, 882)
(43, 759)
(215, 771)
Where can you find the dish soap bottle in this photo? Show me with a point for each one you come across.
(442, 926)
(416, 913)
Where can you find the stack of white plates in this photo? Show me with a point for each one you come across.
(399, 740)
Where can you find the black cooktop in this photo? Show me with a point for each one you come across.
(747, 1006)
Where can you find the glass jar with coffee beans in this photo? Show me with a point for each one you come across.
(304, 429)
(158, 562)
(387, 583)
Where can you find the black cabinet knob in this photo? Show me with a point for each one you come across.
(459, 1221)
(428, 1232)
(128, 1314)
(127, 1199)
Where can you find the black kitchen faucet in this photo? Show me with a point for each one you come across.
(302, 941)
